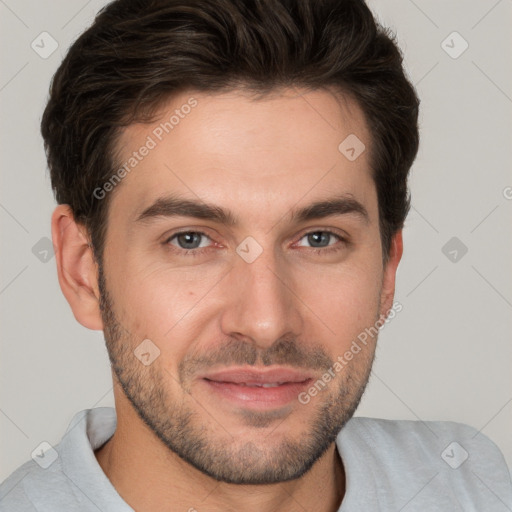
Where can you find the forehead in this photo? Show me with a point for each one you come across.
(231, 147)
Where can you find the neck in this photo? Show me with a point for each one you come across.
(150, 477)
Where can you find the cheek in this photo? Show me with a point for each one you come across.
(163, 304)
(346, 300)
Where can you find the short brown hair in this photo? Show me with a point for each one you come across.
(139, 53)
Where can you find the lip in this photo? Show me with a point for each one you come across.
(258, 376)
(242, 386)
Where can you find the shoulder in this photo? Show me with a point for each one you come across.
(67, 475)
(28, 484)
(430, 439)
(12, 490)
(453, 461)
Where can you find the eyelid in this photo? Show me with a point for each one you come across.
(340, 233)
(180, 231)
(343, 235)
(343, 240)
(168, 238)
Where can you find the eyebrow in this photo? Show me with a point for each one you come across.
(173, 206)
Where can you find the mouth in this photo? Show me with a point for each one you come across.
(253, 384)
(257, 389)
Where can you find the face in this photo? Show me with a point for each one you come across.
(262, 288)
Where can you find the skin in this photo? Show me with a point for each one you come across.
(295, 305)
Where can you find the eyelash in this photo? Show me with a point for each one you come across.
(199, 252)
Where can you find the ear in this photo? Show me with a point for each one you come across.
(389, 275)
(76, 267)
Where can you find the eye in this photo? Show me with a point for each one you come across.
(319, 240)
(194, 243)
(188, 242)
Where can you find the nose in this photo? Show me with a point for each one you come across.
(262, 304)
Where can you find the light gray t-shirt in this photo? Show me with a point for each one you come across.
(390, 466)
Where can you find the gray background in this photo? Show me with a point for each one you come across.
(447, 355)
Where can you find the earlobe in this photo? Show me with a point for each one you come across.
(389, 274)
(76, 268)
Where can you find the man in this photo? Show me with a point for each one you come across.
(277, 136)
